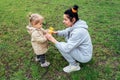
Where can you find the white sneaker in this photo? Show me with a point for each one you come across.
(46, 64)
(71, 68)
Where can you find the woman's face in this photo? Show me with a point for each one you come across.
(67, 21)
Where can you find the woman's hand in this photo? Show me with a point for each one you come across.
(50, 38)
(54, 32)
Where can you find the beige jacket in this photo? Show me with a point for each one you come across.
(38, 40)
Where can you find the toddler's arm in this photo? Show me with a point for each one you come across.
(38, 37)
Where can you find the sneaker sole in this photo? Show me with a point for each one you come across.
(72, 71)
(45, 65)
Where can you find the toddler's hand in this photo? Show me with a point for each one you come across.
(50, 38)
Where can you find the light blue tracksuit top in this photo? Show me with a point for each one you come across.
(78, 42)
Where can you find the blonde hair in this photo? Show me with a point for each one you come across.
(36, 18)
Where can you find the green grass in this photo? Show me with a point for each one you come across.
(17, 56)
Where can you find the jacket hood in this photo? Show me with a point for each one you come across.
(80, 24)
(30, 29)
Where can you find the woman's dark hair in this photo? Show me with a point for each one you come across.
(72, 13)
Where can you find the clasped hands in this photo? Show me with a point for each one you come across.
(50, 37)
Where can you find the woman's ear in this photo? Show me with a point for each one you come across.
(73, 20)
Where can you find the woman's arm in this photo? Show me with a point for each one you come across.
(77, 38)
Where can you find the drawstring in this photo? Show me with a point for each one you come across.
(68, 34)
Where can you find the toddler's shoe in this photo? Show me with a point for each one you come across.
(71, 68)
(46, 64)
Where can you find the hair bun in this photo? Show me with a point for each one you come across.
(75, 7)
(29, 14)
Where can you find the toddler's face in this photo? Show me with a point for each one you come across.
(38, 25)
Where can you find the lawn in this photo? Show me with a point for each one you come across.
(16, 53)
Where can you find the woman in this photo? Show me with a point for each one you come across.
(78, 45)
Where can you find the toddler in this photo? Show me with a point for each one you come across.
(38, 40)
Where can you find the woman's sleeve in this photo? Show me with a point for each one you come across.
(63, 33)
